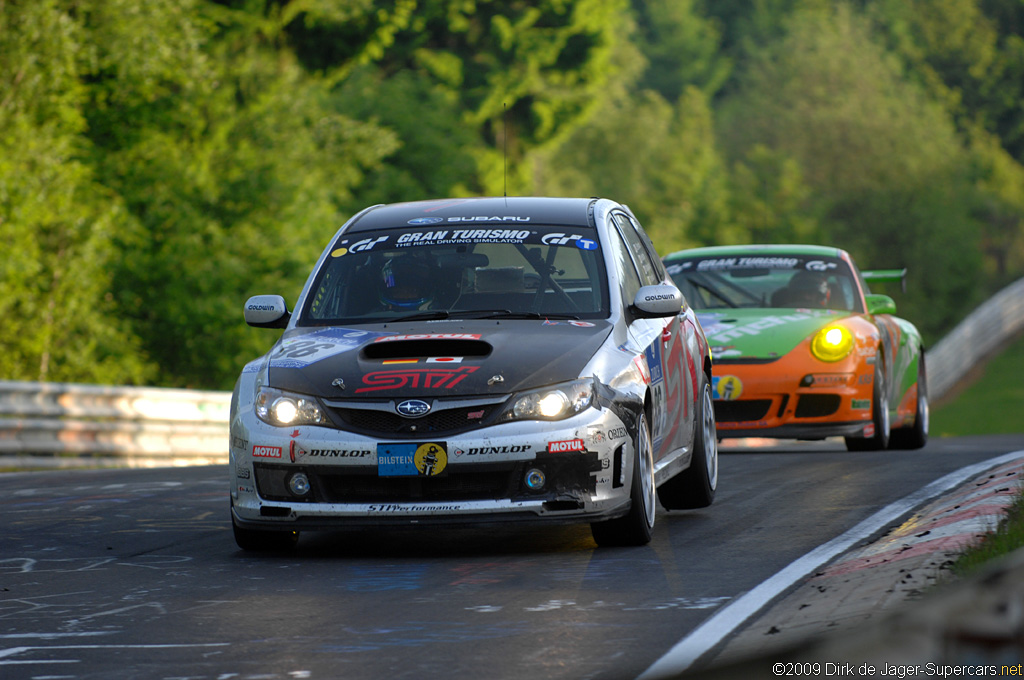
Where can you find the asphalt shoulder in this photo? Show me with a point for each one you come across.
(893, 604)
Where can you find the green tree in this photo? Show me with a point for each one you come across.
(885, 166)
(522, 73)
(56, 221)
(682, 48)
(235, 166)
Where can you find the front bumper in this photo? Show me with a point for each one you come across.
(788, 399)
(586, 462)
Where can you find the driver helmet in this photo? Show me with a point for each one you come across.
(406, 282)
(810, 289)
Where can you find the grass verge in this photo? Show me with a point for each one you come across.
(992, 402)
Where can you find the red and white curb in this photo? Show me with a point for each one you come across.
(950, 524)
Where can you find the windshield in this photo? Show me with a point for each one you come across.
(415, 273)
(778, 281)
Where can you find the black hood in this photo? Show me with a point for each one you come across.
(433, 359)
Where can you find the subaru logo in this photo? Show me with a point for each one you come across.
(413, 408)
(426, 220)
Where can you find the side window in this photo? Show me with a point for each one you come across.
(650, 274)
(629, 280)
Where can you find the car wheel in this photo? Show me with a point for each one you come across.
(636, 526)
(695, 486)
(879, 416)
(264, 541)
(915, 436)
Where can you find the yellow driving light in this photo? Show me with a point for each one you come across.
(832, 343)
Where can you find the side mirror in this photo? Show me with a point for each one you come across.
(880, 304)
(267, 311)
(653, 302)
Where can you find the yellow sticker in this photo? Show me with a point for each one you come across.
(430, 459)
(729, 387)
(338, 252)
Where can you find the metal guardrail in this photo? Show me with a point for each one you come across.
(74, 425)
(985, 330)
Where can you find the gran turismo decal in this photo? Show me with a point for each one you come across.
(820, 266)
(414, 378)
(359, 246)
(748, 263)
(445, 236)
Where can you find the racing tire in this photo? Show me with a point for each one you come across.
(636, 526)
(695, 486)
(264, 541)
(879, 416)
(915, 436)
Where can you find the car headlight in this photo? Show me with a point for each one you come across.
(832, 343)
(555, 402)
(284, 409)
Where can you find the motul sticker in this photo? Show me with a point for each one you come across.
(266, 452)
(566, 446)
(430, 336)
(869, 430)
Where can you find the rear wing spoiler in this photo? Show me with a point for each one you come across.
(889, 275)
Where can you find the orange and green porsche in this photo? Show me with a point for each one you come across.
(802, 349)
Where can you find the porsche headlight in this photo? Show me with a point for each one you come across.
(832, 343)
(285, 409)
(555, 402)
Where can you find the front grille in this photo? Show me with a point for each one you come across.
(455, 486)
(816, 405)
(439, 421)
(741, 410)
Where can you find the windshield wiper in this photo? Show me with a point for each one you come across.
(423, 316)
(509, 314)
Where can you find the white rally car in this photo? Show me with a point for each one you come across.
(487, 359)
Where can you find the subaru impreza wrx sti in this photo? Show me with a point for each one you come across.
(476, 360)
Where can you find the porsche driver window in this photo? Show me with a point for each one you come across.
(444, 273)
(785, 282)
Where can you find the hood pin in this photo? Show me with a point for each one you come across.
(338, 382)
(496, 379)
